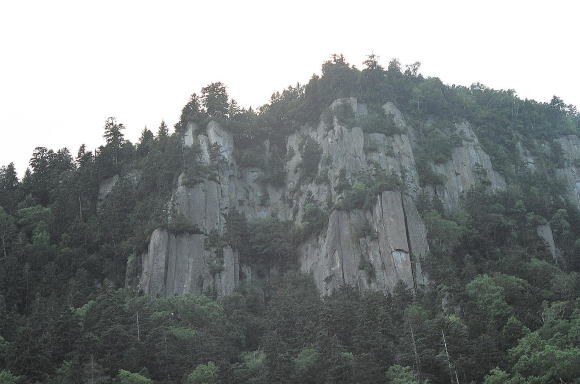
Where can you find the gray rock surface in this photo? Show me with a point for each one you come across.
(545, 233)
(189, 134)
(526, 157)
(106, 187)
(179, 264)
(378, 260)
(571, 172)
(370, 249)
(468, 166)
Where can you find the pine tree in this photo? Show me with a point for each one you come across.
(9, 188)
(114, 137)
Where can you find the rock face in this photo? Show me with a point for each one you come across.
(374, 248)
(106, 187)
(545, 233)
(390, 250)
(469, 165)
(571, 171)
(178, 264)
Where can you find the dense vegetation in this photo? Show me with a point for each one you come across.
(500, 309)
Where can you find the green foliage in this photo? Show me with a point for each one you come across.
(214, 241)
(311, 154)
(427, 176)
(345, 115)
(252, 157)
(215, 99)
(196, 172)
(548, 355)
(180, 225)
(33, 217)
(306, 359)
(376, 121)
(265, 242)
(7, 231)
(315, 218)
(182, 333)
(6, 377)
(236, 229)
(363, 193)
(191, 112)
(401, 375)
(275, 173)
(203, 374)
(272, 241)
(444, 234)
(489, 298)
(126, 377)
(436, 146)
(254, 360)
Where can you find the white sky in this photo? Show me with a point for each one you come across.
(65, 66)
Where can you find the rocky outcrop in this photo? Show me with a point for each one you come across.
(570, 173)
(545, 233)
(180, 263)
(526, 158)
(375, 248)
(350, 151)
(188, 135)
(468, 166)
(371, 250)
(106, 187)
(177, 263)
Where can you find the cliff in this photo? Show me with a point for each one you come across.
(371, 245)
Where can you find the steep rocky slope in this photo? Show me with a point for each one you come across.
(373, 246)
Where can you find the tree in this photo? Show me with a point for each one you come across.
(7, 231)
(191, 112)
(40, 182)
(412, 69)
(497, 376)
(6, 377)
(114, 137)
(394, 67)
(8, 187)
(489, 298)
(83, 157)
(203, 374)
(401, 375)
(444, 234)
(126, 377)
(371, 63)
(114, 132)
(162, 131)
(145, 142)
(374, 89)
(215, 100)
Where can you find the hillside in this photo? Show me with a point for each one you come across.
(370, 226)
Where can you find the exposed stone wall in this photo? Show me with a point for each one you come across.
(393, 246)
(469, 165)
(180, 263)
(571, 172)
(392, 252)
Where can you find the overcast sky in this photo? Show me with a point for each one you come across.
(65, 66)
